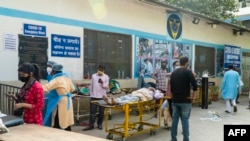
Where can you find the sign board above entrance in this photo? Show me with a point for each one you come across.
(34, 30)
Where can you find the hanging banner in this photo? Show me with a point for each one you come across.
(232, 55)
(174, 27)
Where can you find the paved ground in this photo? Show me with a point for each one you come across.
(201, 127)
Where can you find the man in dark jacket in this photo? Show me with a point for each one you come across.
(181, 82)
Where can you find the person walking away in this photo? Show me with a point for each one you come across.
(59, 110)
(29, 103)
(181, 81)
(239, 87)
(229, 88)
(98, 88)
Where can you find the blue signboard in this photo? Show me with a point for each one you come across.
(232, 55)
(34, 30)
(65, 46)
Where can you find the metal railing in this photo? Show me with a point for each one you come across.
(6, 103)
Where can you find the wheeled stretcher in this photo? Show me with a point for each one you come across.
(133, 125)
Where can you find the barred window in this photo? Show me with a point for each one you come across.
(204, 60)
(112, 50)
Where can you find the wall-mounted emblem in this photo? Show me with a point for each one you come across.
(174, 27)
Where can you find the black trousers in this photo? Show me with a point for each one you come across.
(93, 110)
(57, 125)
(170, 107)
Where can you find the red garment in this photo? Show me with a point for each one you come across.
(35, 96)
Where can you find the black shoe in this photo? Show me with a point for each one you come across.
(237, 102)
(235, 108)
(227, 111)
(99, 127)
(88, 128)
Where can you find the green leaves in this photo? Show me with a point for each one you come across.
(218, 9)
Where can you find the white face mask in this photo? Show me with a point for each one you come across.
(49, 70)
(177, 67)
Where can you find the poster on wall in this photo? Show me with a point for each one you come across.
(10, 42)
(232, 55)
(149, 55)
(151, 52)
(188, 52)
(179, 50)
(65, 46)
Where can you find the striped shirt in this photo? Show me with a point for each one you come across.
(160, 76)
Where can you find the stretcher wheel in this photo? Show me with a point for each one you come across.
(110, 136)
(140, 128)
(152, 132)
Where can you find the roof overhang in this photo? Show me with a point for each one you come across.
(173, 8)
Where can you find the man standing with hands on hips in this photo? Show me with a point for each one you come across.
(98, 88)
(181, 82)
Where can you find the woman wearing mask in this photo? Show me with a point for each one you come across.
(30, 100)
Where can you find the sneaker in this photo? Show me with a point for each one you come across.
(248, 108)
(235, 108)
(227, 111)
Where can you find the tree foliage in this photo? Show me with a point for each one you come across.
(218, 9)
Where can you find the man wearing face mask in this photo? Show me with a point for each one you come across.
(160, 76)
(176, 65)
(98, 88)
(49, 69)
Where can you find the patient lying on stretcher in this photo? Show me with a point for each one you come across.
(143, 94)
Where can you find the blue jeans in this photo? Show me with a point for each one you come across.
(180, 110)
